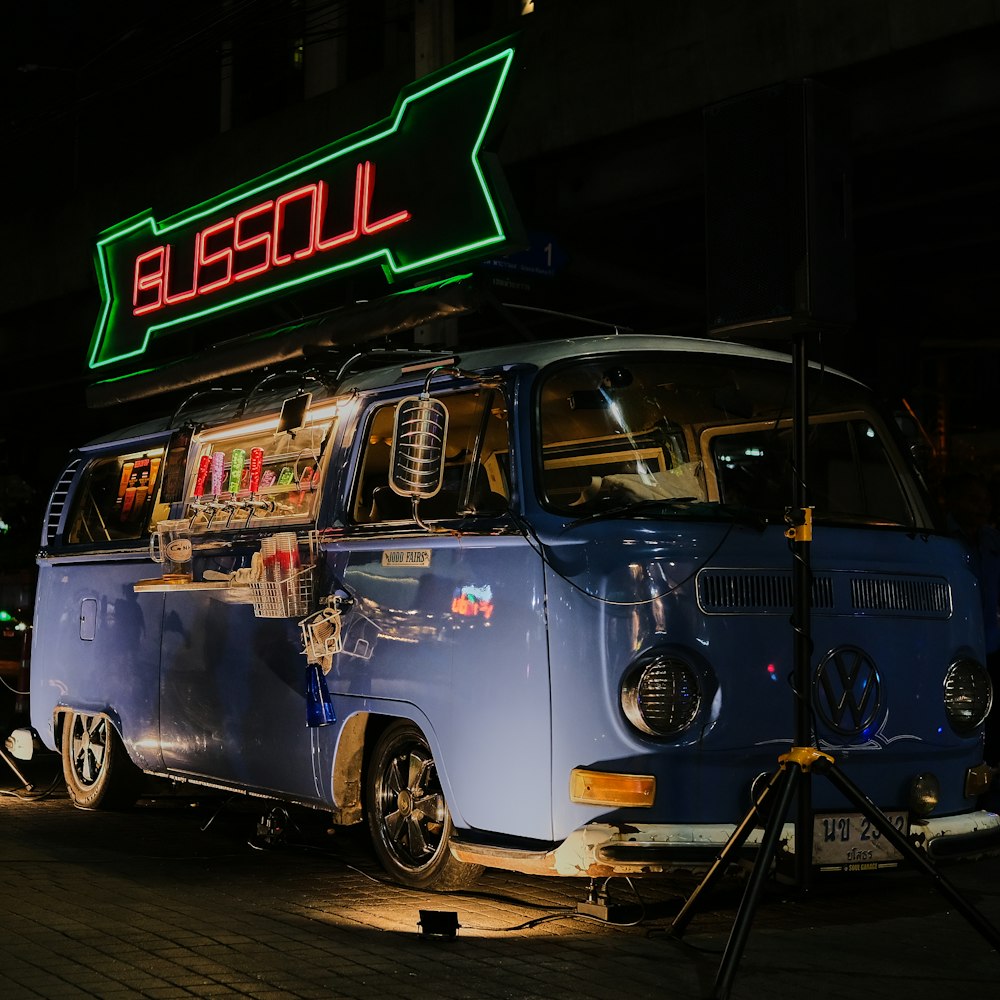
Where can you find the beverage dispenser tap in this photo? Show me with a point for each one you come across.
(255, 504)
(214, 505)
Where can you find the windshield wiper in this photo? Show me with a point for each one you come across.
(676, 507)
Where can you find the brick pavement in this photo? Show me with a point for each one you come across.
(180, 898)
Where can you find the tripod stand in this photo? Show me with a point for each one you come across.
(24, 781)
(795, 768)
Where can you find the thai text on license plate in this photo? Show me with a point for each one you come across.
(853, 841)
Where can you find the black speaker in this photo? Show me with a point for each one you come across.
(778, 235)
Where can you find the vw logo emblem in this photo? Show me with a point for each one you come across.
(848, 690)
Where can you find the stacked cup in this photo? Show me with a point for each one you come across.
(286, 550)
(280, 556)
(267, 558)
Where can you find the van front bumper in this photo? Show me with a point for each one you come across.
(600, 850)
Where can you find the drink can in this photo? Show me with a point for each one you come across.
(304, 482)
(236, 462)
(218, 464)
(203, 466)
(256, 468)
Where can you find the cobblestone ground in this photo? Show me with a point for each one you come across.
(182, 898)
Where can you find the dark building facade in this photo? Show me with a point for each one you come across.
(643, 179)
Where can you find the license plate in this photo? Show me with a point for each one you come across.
(852, 842)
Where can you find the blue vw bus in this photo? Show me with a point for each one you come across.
(535, 616)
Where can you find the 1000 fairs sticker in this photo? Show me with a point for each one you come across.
(406, 557)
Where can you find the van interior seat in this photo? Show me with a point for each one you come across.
(387, 505)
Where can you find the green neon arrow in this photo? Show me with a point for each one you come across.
(425, 162)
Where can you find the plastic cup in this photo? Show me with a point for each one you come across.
(269, 558)
(286, 552)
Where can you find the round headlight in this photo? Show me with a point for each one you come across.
(661, 696)
(968, 695)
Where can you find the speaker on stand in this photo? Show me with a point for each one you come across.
(778, 241)
(778, 233)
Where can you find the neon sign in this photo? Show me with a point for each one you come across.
(410, 194)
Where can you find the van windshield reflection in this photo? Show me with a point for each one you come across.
(641, 435)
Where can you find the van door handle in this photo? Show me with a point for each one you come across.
(88, 619)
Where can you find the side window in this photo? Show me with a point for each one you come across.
(373, 499)
(476, 463)
(116, 498)
(854, 475)
(850, 475)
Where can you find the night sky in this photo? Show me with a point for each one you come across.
(97, 96)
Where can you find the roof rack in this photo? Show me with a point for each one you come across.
(340, 328)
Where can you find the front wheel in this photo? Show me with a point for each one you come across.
(407, 815)
(98, 770)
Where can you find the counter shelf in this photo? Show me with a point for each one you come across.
(147, 586)
(288, 598)
(291, 597)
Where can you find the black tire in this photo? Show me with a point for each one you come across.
(408, 818)
(98, 770)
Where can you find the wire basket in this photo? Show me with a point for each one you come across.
(288, 598)
(321, 637)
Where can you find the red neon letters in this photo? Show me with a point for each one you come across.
(272, 234)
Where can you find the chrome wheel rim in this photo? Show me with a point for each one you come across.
(412, 812)
(89, 748)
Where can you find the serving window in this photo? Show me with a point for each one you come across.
(251, 474)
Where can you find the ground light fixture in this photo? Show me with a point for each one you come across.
(438, 924)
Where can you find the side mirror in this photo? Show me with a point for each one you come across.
(908, 427)
(920, 446)
(416, 465)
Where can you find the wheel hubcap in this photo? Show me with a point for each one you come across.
(412, 820)
(88, 748)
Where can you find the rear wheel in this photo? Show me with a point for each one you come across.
(98, 770)
(408, 818)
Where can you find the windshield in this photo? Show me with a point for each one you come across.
(629, 430)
